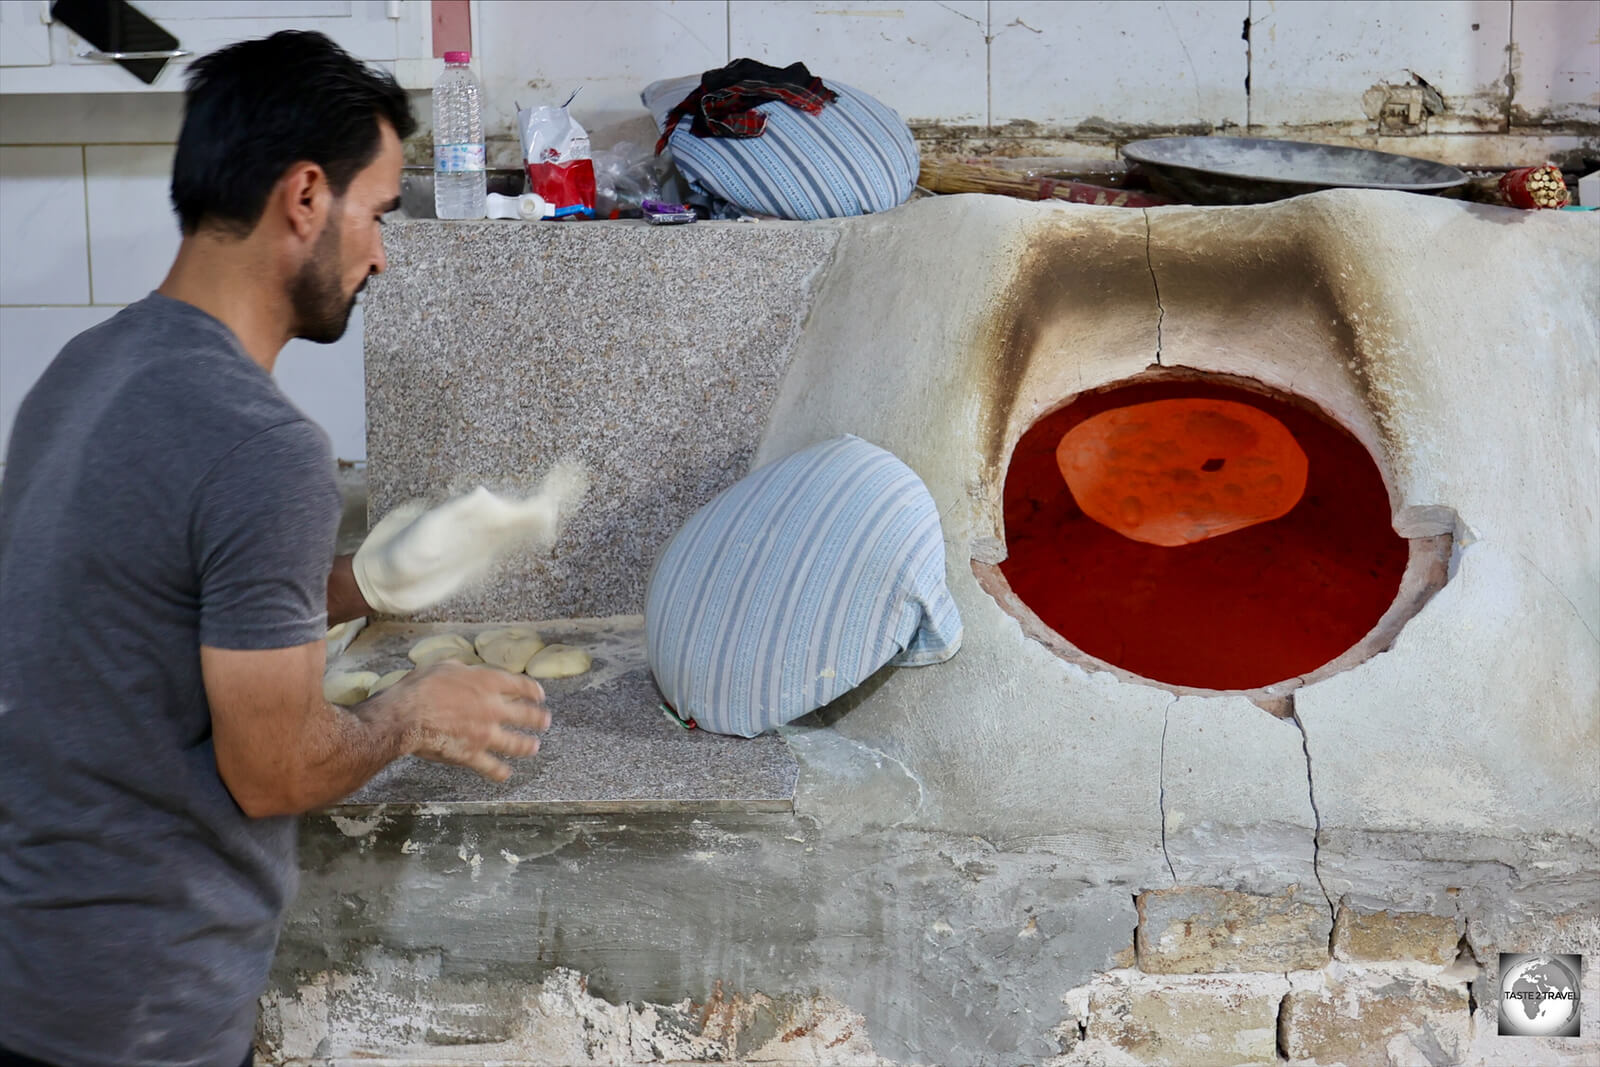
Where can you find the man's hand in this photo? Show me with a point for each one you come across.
(467, 715)
(283, 750)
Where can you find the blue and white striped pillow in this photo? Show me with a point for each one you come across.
(793, 585)
(855, 158)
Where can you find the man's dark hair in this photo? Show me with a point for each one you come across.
(253, 109)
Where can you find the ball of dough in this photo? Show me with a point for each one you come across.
(348, 687)
(558, 661)
(512, 653)
(387, 680)
(508, 648)
(507, 633)
(442, 647)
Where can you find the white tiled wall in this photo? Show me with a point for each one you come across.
(42, 217)
(1134, 62)
(85, 226)
(928, 58)
(132, 232)
(1056, 64)
(1308, 69)
(534, 54)
(1557, 59)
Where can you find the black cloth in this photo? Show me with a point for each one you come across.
(724, 103)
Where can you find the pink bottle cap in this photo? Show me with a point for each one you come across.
(458, 57)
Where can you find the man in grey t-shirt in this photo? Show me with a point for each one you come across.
(167, 526)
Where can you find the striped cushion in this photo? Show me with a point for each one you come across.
(854, 158)
(795, 584)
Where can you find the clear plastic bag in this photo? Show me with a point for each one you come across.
(625, 176)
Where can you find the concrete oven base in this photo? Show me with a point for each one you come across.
(1015, 859)
(815, 939)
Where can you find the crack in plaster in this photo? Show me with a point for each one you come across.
(878, 756)
(1161, 799)
(962, 15)
(1562, 594)
(1316, 815)
(1161, 311)
(922, 792)
(1194, 73)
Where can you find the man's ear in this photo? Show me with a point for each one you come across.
(307, 199)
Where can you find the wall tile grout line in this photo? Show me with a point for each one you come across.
(1249, 61)
(88, 236)
(1511, 58)
(89, 144)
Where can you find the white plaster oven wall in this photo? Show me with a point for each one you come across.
(1471, 400)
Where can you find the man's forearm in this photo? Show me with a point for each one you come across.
(282, 749)
(345, 601)
(357, 744)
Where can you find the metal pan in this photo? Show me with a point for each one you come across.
(1249, 170)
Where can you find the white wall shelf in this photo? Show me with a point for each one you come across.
(42, 56)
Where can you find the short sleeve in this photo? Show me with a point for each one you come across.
(263, 531)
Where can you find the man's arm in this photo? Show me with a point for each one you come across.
(345, 601)
(282, 750)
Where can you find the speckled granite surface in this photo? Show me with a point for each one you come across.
(650, 353)
(609, 748)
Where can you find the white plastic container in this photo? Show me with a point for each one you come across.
(460, 182)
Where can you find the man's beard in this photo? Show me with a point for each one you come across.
(321, 310)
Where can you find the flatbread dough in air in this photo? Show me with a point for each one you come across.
(558, 661)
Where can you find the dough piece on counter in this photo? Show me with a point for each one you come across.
(342, 636)
(348, 687)
(387, 680)
(558, 661)
(509, 649)
(442, 647)
(505, 633)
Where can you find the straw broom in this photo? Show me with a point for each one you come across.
(945, 175)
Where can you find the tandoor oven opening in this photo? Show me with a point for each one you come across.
(1200, 534)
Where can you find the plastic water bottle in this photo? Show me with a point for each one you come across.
(460, 183)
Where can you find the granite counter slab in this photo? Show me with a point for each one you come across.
(610, 747)
(651, 354)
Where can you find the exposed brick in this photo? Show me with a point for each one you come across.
(1394, 935)
(1375, 1020)
(1192, 1022)
(1195, 930)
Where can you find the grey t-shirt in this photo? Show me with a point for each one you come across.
(159, 493)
